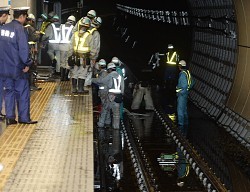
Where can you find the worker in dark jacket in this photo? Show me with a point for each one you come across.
(33, 38)
(15, 64)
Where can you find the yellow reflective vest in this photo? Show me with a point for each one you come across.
(172, 58)
(81, 45)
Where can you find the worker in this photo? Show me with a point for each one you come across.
(170, 77)
(142, 91)
(64, 46)
(33, 38)
(15, 68)
(121, 71)
(91, 14)
(115, 86)
(4, 14)
(185, 83)
(80, 47)
(102, 92)
(53, 36)
(94, 48)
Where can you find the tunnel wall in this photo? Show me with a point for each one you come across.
(219, 64)
(220, 88)
(239, 100)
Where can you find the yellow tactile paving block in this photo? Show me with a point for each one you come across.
(59, 155)
(15, 137)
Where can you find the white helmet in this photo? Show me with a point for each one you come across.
(111, 66)
(97, 21)
(85, 21)
(91, 14)
(31, 17)
(71, 18)
(102, 62)
(170, 46)
(182, 63)
(115, 60)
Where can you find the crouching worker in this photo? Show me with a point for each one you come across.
(142, 91)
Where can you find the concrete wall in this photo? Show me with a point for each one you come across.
(20, 3)
(239, 100)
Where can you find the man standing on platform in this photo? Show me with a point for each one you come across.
(4, 13)
(14, 50)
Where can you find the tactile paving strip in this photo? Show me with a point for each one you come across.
(59, 154)
(15, 137)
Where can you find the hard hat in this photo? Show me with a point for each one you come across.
(111, 66)
(102, 62)
(91, 14)
(85, 21)
(44, 16)
(51, 14)
(55, 18)
(71, 18)
(182, 63)
(97, 21)
(31, 17)
(170, 46)
(115, 60)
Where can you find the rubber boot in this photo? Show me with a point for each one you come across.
(32, 81)
(66, 75)
(62, 74)
(81, 86)
(74, 83)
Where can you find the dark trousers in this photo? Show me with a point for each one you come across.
(17, 94)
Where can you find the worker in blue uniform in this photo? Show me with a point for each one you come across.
(15, 65)
(185, 83)
(4, 13)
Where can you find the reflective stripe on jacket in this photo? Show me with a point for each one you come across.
(57, 34)
(171, 59)
(66, 33)
(184, 82)
(80, 43)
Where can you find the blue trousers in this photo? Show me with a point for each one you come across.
(1, 94)
(17, 94)
(182, 113)
(182, 166)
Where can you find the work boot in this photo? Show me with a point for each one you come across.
(81, 86)
(62, 74)
(32, 80)
(66, 75)
(74, 83)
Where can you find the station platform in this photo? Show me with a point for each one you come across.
(57, 153)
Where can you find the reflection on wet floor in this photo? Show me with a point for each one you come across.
(2, 125)
(166, 159)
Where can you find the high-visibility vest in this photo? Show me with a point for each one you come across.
(172, 59)
(91, 31)
(44, 25)
(189, 80)
(66, 33)
(29, 42)
(116, 85)
(80, 46)
(57, 34)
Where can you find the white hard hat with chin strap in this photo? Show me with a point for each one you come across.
(91, 14)
(102, 62)
(111, 66)
(182, 63)
(71, 18)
